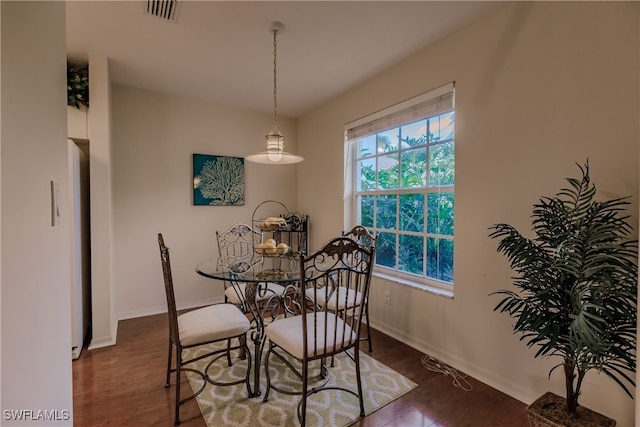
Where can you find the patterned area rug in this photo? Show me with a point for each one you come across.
(230, 406)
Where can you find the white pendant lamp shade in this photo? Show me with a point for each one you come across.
(275, 154)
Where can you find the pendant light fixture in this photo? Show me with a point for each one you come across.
(275, 154)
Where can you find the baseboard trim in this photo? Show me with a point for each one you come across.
(101, 342)
(142, 313)
(105, 341)
(109, 341)
(513, 390)
(134, 314)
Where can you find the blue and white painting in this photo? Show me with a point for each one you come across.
(218, 180)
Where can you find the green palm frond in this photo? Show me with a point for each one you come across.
(576, 282)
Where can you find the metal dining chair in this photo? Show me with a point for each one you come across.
(237, 253)
(364, 238)
(348, 299)
(319, 332)
(199, 327)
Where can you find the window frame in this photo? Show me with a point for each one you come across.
(389, 118)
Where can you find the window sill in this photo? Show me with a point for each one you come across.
(415, 285)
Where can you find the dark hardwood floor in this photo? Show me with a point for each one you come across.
(123, 385)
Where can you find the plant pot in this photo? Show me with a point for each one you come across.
(549, 410)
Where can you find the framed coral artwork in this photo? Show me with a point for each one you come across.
(218, 180)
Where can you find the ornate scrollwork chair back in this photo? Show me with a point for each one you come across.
(237, 253)
(340, 270)
(236, 248)
(202, 326)
(361, 235)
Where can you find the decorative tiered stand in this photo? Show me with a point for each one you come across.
(287, 233)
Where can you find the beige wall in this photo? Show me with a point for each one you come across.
(154, 137)
(35, 262)
(104, 322)
(539, 86)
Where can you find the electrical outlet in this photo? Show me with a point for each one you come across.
(387, 297)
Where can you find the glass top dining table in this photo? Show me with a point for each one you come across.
(211, 269)
(253, 288)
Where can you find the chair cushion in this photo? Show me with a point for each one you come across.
(236, 291)
(211, 323)
(340, 299)
(287, 333)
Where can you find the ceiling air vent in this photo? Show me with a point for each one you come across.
(165, 9)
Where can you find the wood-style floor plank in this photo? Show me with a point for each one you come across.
(123, 385)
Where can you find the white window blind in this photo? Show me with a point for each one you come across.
(432, 103)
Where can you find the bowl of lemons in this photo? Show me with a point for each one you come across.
(272, 248)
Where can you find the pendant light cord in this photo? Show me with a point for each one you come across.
(274, 153)
(275, 79)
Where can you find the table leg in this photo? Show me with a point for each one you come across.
(258, 340)
(258, 312)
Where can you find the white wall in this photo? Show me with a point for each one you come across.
(154, 137)
(539, 86)
(35, 261)
(104, 322)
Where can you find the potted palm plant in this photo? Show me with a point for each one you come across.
(575, 294)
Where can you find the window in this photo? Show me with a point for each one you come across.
(402, 181)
